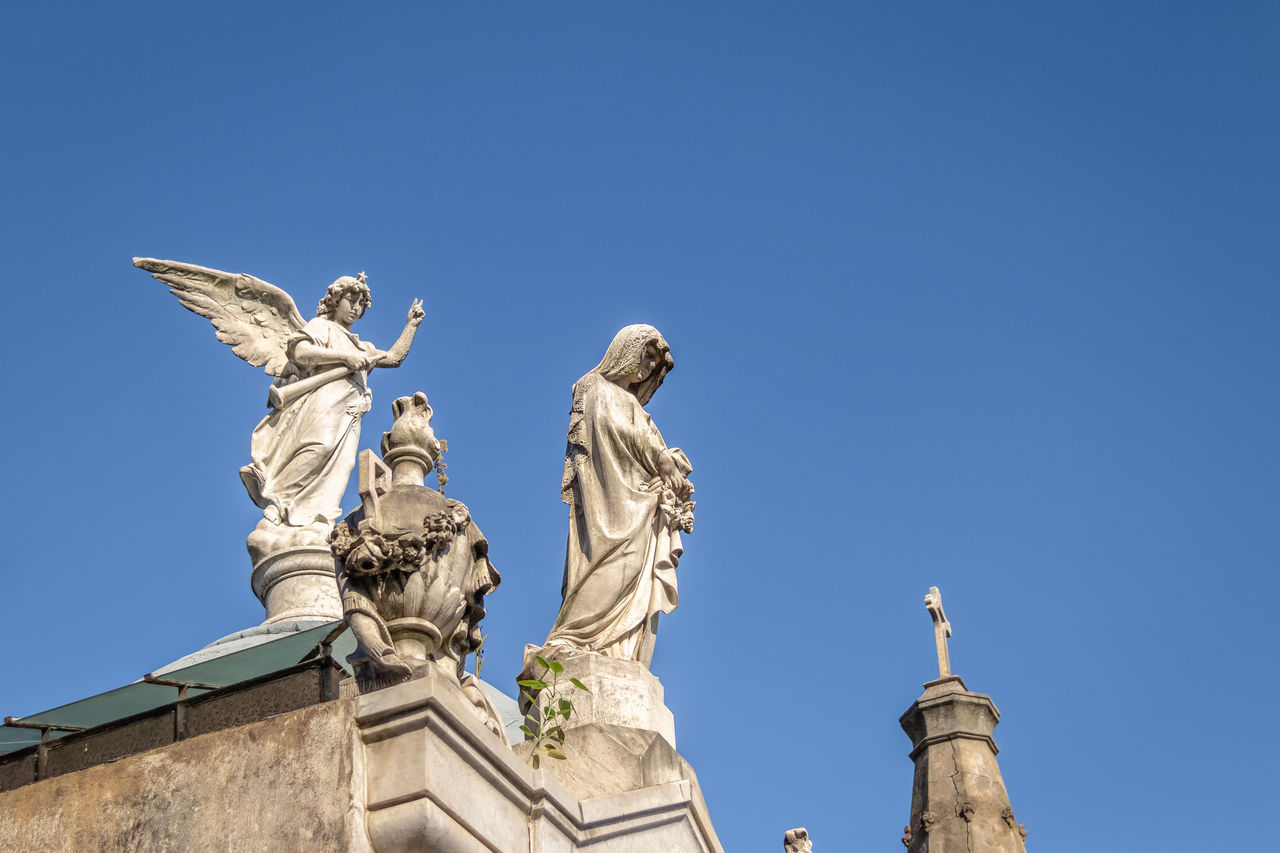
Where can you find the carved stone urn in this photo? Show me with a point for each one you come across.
(412, 566)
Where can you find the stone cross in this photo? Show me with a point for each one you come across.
(941, 630)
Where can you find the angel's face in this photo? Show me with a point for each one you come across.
(350, 308)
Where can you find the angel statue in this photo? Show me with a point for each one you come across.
(303, 451)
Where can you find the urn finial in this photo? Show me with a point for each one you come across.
(410, 449)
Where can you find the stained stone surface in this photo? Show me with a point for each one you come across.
(958, 797)
(296, 584)
(287, 783)
(605, 759)
(406, 768)
(621, 693)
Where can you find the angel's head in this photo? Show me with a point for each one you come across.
(346, 300)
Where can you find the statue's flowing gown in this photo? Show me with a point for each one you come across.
(620, 564)
(303, 454)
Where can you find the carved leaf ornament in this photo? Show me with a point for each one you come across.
(366, 552)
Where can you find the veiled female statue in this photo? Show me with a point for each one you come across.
(629, 500)
(303, 451)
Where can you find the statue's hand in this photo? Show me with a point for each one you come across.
(677, 484)
(672, 466)
(356, 361)
(416, 313)
(392, 664)
(685, 491)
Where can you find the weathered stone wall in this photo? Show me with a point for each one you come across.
(285, 783)
(406, 769)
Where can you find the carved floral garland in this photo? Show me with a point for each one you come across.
(378, 553)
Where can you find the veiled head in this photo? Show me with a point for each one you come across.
(639, 359)
(349, 286)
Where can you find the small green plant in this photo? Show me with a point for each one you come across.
(547, 709)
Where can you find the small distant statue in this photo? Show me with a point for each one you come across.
(797, 841)
(629, 501)
(303, 451)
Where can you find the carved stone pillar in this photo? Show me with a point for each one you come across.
(295, 583)
(958, 799)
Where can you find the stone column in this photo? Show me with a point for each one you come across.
(295, 583)
(958, 800)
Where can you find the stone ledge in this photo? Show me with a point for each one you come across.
(950, 736)
(438, 777)
(945, 711)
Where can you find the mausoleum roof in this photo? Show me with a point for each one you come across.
(237, 658)
(263, 658)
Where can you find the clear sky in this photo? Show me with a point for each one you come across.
(981, 296)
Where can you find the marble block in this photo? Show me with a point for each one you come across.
(622, 692)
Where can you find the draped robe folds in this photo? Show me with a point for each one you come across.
(303, 454)
(620, 563)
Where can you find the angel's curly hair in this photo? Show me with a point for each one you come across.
(344, 286)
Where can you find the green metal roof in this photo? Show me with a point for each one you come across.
(232, 668)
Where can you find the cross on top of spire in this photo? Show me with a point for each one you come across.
(941, 629)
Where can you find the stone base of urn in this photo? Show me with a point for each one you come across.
(293, 572)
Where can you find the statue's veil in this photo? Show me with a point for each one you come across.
(624, 354)
(620, 359)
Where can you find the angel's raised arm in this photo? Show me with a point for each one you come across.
(255, 318)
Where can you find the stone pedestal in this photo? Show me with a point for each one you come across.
(603, 760)
(621, 736)
(958, 799)
(297, 585)
(622, 693)
(293, 572)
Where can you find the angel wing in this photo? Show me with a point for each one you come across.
(255, 318)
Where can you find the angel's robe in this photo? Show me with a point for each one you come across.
(303, 454)
(620, 563)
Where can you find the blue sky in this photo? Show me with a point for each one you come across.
(980, 296)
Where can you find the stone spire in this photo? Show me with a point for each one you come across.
(958, 800)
